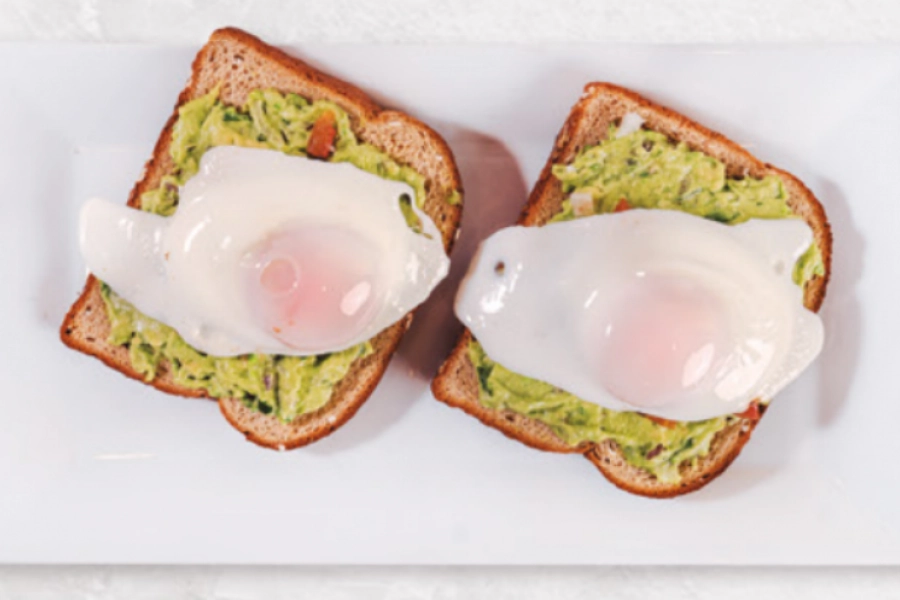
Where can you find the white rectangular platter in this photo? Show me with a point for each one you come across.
(98, 468)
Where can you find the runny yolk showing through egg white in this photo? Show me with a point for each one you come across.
(661, 339)
(312, 285)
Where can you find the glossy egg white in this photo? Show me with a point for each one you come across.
(189, 270)
(646, 310)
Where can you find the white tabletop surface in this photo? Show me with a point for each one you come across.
(507, 21)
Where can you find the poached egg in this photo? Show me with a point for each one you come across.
(654, 311)
(269, 253)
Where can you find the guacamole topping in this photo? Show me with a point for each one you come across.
(646, 444)
(283, 386)
(269, 120)
(286, 386)
(809, 265)
(647, 170)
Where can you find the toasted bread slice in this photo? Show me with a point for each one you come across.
(241, 63)
(601, 105)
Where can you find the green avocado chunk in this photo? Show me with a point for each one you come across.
(647, 170)
(283, 386)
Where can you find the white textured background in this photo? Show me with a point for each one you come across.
(283, 21)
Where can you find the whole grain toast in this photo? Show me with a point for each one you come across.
(600, 105)
(240, 63)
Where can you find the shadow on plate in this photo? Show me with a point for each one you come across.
(53, 293)
(841, 311)
(735, 481)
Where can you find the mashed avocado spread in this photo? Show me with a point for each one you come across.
(647, 170)
(284, 386)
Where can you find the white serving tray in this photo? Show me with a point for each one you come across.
(98, 468)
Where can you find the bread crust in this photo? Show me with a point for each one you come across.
(600, 105)
(241, 62)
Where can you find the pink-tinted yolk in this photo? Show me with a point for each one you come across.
(281, 275)
(661, 339)
(312, 287)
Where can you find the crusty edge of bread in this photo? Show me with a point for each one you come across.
(339, 410)
(265, 430)
(456, 383)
